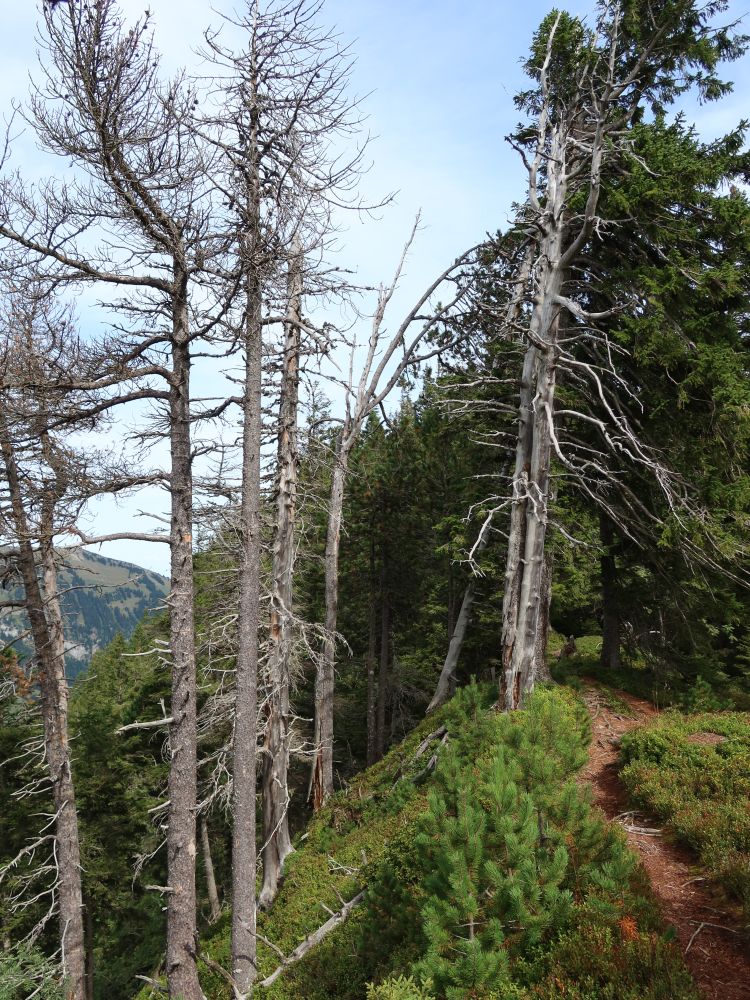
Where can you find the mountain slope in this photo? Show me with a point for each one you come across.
(100, 597)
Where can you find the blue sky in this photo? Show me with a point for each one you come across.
(440, 78)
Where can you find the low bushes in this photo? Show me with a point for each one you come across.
(694, 773)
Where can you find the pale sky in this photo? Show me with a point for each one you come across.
(440, 78)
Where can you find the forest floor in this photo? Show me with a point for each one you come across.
(709, 929)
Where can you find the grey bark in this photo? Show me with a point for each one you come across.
(276, 840)
(244, 850)
(182, 972)
(46, 628)
(208, 867)
(321, 784)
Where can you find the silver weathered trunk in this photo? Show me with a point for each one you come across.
(244, 850)
(524, 575)
(46, 624)
(182, 972)
(321, 783)
(276, 841)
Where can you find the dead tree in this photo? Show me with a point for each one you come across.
(284, 102)
(46, 485)
(386, 358)
(135, 218)
(589, 85)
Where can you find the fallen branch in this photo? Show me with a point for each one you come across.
(153, 983)
(431, 764)
(155, 724)
(312, 939)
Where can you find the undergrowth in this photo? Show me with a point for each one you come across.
(489, 878)
(693, 771)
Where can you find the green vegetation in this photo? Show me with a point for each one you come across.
(694, 773)
(491, 877)
(25, 972)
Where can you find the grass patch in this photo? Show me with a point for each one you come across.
(693, 772)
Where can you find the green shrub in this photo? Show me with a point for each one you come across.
(25, 971)
(693, 772)
(398, 989)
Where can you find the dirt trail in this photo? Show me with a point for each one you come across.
(718, 959)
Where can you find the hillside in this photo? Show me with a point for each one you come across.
(100, 597)
(467, 863)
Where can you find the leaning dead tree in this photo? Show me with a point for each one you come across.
(589, 87)
(38, 498)
(135, 217)
(386, 358)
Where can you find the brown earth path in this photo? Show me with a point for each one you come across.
(718, 959)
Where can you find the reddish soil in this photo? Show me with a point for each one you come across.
(718, 956)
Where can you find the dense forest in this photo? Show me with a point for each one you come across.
(458, 599)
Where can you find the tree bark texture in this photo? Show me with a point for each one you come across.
(321, 785)
(182, 972)
(524, 574)
(244, 850)
(277, 844)
(45, 619)
(610, 655)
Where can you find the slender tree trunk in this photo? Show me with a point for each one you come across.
(385, 657)
(610, 655)
(446, 681)
(208, 866)
(321, 783)
(244, 850)
(46, 629)
(182, 972)
(276, 841)
(372, 645)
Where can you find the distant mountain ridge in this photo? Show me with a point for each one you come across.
(100, 597)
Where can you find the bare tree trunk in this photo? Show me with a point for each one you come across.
(525, 561)
(385, 657)
(372, 645)
(610, 655)
(519, 656)
(208, 866)
(321, 784)
(276, 841)
(182, 972)
(49, 649)
(446, 681)
(244, 850)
